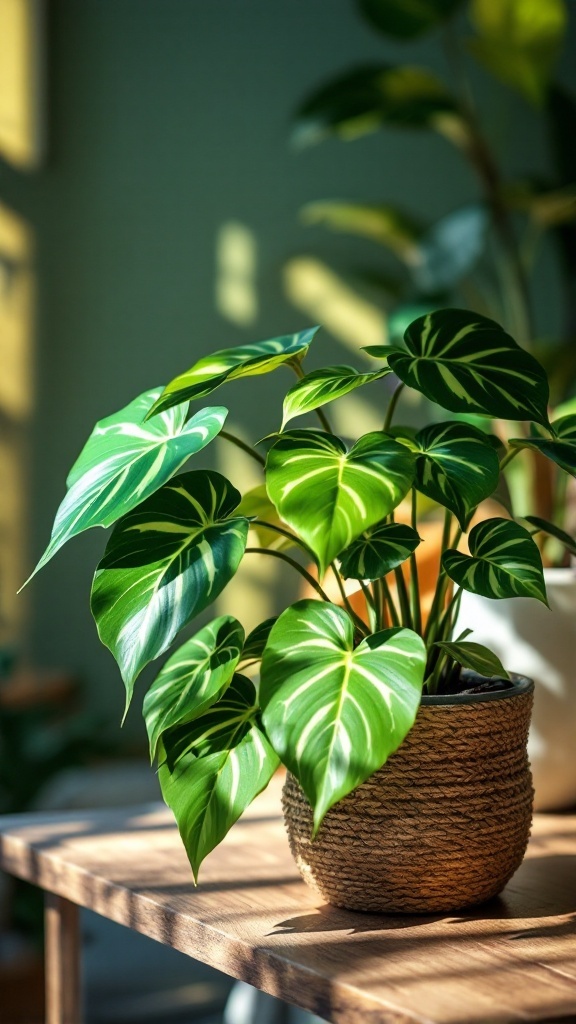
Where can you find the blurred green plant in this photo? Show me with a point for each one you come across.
(481, 255)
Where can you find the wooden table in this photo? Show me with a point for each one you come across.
(253, 918)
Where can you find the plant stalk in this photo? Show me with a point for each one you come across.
(227, 436)
(295, 565)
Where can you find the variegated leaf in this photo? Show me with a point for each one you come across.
(378, 550)
(214, 768)
(467, 363)
(474, 656)
(165, 562)
(256, 640)
(560, 448)
(323, 386)
(329, 495)
(124, 461)
(503, 562)
(256, 505)
(457, 466)
(230, 363)
(335, 712)
(193, 678)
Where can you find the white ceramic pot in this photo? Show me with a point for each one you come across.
(540, 643)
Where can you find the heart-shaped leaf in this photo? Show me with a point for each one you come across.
(403, 20)
(371, 96)
(230, 363)
(334, 713)
(193, 678)
(223, 761)
(323, 386)
(467, 363)
(475, 656)
(164, 563)
(124, 461)
(504, 561)
(561, 448)
(329, 495)
(378, 550)
(458, 467)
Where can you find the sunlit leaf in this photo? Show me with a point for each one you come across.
(408, 19)
(193, 678)
(125, 460)
(215, 767)
(165, 562)
(503, 562)
(384, 224)
(322, 386)
(519, 41)
(230, 363)
(378, 550)
(329, 495)
(335, 712)
(474, 656)
(256, 505)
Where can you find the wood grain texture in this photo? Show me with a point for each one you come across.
(252, 917)
(62, 936)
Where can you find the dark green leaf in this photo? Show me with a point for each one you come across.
(193, 678)
(543, 526)
(408, 19)
(503, 562)
(458, 467)
(164, 563)
(334, 712)
(256, 640)
(224, 761)
(561, 448)
(475, 656)
(378, 551)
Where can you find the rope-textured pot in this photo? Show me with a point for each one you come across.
(443, 825)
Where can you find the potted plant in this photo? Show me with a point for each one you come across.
(486, 253)
(397, 736)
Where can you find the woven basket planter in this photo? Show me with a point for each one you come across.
(442, 826)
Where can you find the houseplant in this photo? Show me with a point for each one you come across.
(339, 691)
(493, 252)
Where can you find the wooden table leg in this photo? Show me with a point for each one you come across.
(62, 942)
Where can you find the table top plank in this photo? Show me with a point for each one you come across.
(253, 918)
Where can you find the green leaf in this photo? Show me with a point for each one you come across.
(334, 713)
(458, 467)
(256, 640)
(475, 656)
(373, 95)
(378, 551)
(256, 504)
(164, 563)
(543, 526)
(323, 386)
(225, 761)
(386, 225)
(408, 19)
(503, 562)
(124, 461)
(450, 249)
(193, 678)
(329, 495)
(561, 448)
(231, 363)
(467, 363)
(519, 41)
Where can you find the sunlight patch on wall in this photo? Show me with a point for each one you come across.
(236, 266)
(16, 400)
(316, 290)
(21, 37)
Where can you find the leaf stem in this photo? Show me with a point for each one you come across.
(414, 581)
(242, 444)
(392, 407)
(285, 533)
(295, 565)
(389, 601)
(353, 615)
(370, 606)
(510, 454)
(405, 612)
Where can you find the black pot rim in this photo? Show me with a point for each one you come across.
(521, 685)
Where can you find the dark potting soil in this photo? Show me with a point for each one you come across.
(472, 682)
